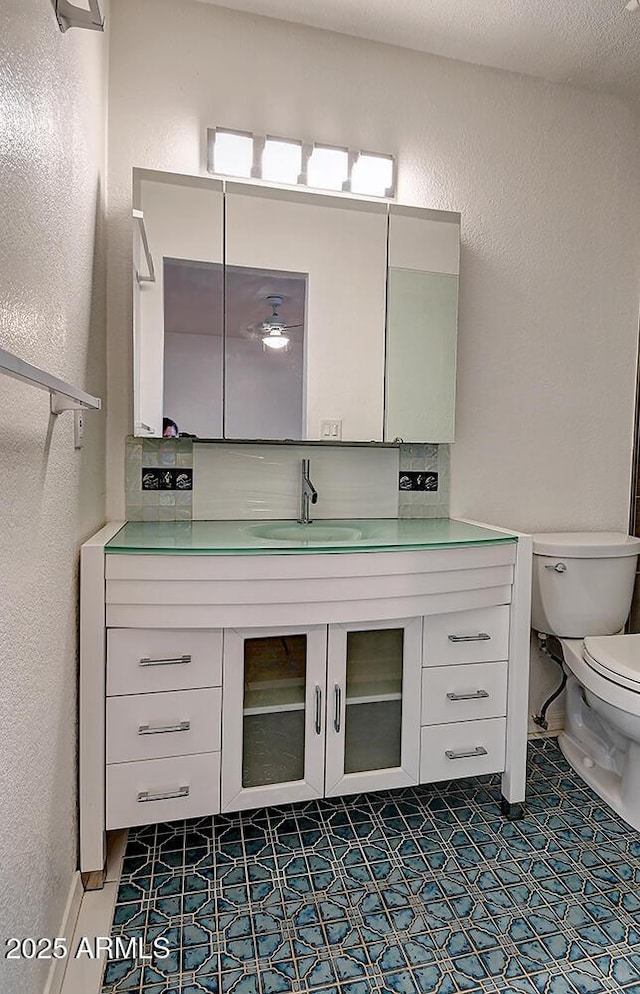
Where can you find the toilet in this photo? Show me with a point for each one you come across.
(582, 591)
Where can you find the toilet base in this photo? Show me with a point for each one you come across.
(605, 783)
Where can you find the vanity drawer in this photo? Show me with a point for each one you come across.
(163, 790)
(466, 636)
(144, 660)
(153, 726)
(474, 747)
(463, 693)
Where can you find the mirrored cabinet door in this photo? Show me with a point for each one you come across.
(422, 325)
(273, 716)
(373, 692)
(421, 355)
(178, 316)
(315, 269)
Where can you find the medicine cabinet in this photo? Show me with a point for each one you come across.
(274, 314)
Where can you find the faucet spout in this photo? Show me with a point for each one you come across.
(308, 494)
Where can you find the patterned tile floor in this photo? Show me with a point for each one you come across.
(422, 890)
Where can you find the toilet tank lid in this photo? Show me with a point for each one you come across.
(585, 545)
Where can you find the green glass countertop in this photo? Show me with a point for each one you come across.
(208, 538)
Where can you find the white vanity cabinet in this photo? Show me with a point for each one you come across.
(216, 682)
(273, 715)
(373, 694)
(320, 710)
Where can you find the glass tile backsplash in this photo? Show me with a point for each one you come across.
(415, 486)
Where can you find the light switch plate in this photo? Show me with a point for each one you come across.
(331, 429)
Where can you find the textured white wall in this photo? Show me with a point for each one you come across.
(547, 178)
(52, 313)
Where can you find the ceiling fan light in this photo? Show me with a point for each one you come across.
(274, 339)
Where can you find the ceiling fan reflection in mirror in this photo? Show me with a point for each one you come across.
(273, 330)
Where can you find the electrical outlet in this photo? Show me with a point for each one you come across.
(331, 429)
(78, 429)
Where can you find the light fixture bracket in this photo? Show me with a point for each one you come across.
(70, 16)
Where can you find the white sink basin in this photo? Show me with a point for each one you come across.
(307, 533)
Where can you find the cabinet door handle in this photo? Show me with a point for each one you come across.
(180, 726)
(480, 637)
(337, 706)
(164, 661)
(476, 695)
(318, 714)
(163, 795)
(466, 754)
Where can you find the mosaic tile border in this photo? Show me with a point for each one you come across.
(158, 504)
(169, 454)
(425, 458)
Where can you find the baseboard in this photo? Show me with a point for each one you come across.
(66, 930)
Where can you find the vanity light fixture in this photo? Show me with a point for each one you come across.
(372, 175)
(295, 162)
(281, 160)
(328, 168)
(232, 153)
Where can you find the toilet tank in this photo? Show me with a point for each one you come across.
(582, 582)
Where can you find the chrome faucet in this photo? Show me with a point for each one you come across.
(308, 494)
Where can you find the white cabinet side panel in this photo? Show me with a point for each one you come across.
(92, 700)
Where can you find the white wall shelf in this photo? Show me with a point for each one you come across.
(64, 397)
(69, 15)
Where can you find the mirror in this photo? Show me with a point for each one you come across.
(272, 314)
(217, 319)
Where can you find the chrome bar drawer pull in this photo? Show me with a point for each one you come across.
(180, 726)
(475, 696)
(167, 661)
(318, 715)
(166, 795)
(337, 706)
(480, 637)
(468, 754)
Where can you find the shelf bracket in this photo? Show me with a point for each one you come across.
(138, 217)
(69, 15)
(60, 403)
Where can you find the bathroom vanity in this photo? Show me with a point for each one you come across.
(237, 664)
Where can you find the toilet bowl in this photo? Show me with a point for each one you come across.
(601, 740)
(582, 590)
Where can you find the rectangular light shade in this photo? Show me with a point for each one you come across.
(281, 161)
(232, 153)
(372, 175)
(327, 168)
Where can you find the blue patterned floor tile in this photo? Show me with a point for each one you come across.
(426, 889)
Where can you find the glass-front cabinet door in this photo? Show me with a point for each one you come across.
(373, 706)
(273, 716)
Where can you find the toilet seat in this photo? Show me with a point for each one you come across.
(615, 657)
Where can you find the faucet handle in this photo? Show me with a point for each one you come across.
(314, 497)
